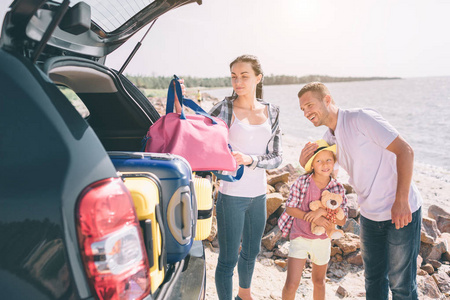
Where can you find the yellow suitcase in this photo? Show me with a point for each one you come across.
(203, 193)
(146, 193)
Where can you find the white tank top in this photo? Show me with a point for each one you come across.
(252, 140)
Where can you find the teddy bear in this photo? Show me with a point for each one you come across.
(330, 202)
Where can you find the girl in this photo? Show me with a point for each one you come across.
(255, 137)
(297, 220)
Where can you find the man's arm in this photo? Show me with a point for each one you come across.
(401, 210)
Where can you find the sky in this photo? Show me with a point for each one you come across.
(392, 38)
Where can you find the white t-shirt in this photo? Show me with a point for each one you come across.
(362, 136)
(252, 140)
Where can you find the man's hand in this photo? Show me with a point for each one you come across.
(401, 214)
(307, 153)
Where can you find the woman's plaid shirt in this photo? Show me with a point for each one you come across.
(297, 194)
(272, 159)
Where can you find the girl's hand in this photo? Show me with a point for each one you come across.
(312, 216)
(241, 158)
(322, 221)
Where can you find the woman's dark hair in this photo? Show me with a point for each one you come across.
(256, 66)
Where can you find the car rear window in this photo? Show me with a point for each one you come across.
(111, 14)
(75, 100)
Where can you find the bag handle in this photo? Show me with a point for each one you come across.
(239, 173)
(174, 93)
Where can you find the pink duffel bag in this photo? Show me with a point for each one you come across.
(201, 139)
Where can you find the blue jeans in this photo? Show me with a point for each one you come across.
(390, 258)
(238, 217)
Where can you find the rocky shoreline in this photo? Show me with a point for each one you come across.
(433, 262)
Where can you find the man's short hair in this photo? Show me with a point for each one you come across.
(317, 88)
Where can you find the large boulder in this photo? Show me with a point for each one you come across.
(283, 189)
(434, 211)
(352, 226)
(428, 287)
(443, 223)
(270, 239)
(430, 230)
(443, 281)
(352, 206)
(348, 243)
(273, 201)
(274, 179)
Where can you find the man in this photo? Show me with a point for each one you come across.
(380, 165)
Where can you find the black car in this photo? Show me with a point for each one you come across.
(61, 112)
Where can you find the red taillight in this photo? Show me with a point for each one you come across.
(111, 243)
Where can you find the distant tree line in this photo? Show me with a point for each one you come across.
(161, 82)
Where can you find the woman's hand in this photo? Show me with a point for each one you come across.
(312, 216)
(183, 87)
(241, 158)
(183, 92)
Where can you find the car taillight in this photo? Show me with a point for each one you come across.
(111, 243)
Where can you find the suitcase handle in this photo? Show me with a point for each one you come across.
(187, 215)
(180, 229)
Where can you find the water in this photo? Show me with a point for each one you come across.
(419, 108)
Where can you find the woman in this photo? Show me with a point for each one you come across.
(255, 137)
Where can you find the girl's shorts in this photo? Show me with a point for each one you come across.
(318, 250)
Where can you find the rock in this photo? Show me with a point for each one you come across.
(352, 226)
(443, 281)
(280, 210)
(429, 226)
(349, 243)
(425, 250)
(273, 220)
(446, 255)
(355, 259)
(342, 291)
(419, 261)
(438, 249)
(436, 264)
(348, 188)
(282, 251)
(434, 211)
(274, 179)
(425, 238)
(266, 262)
(273, 201)
(290, 168)
(213, 233)
(352, 205)
(283, 189)
(427, 285)
(267, 254)
(269, 240)
(281, 263)
(421, 272)
(339, 257)
(428, 268)
(335, 250)
(443, 223)
(270, 189)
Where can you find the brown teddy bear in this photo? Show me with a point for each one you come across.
(332, 204)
